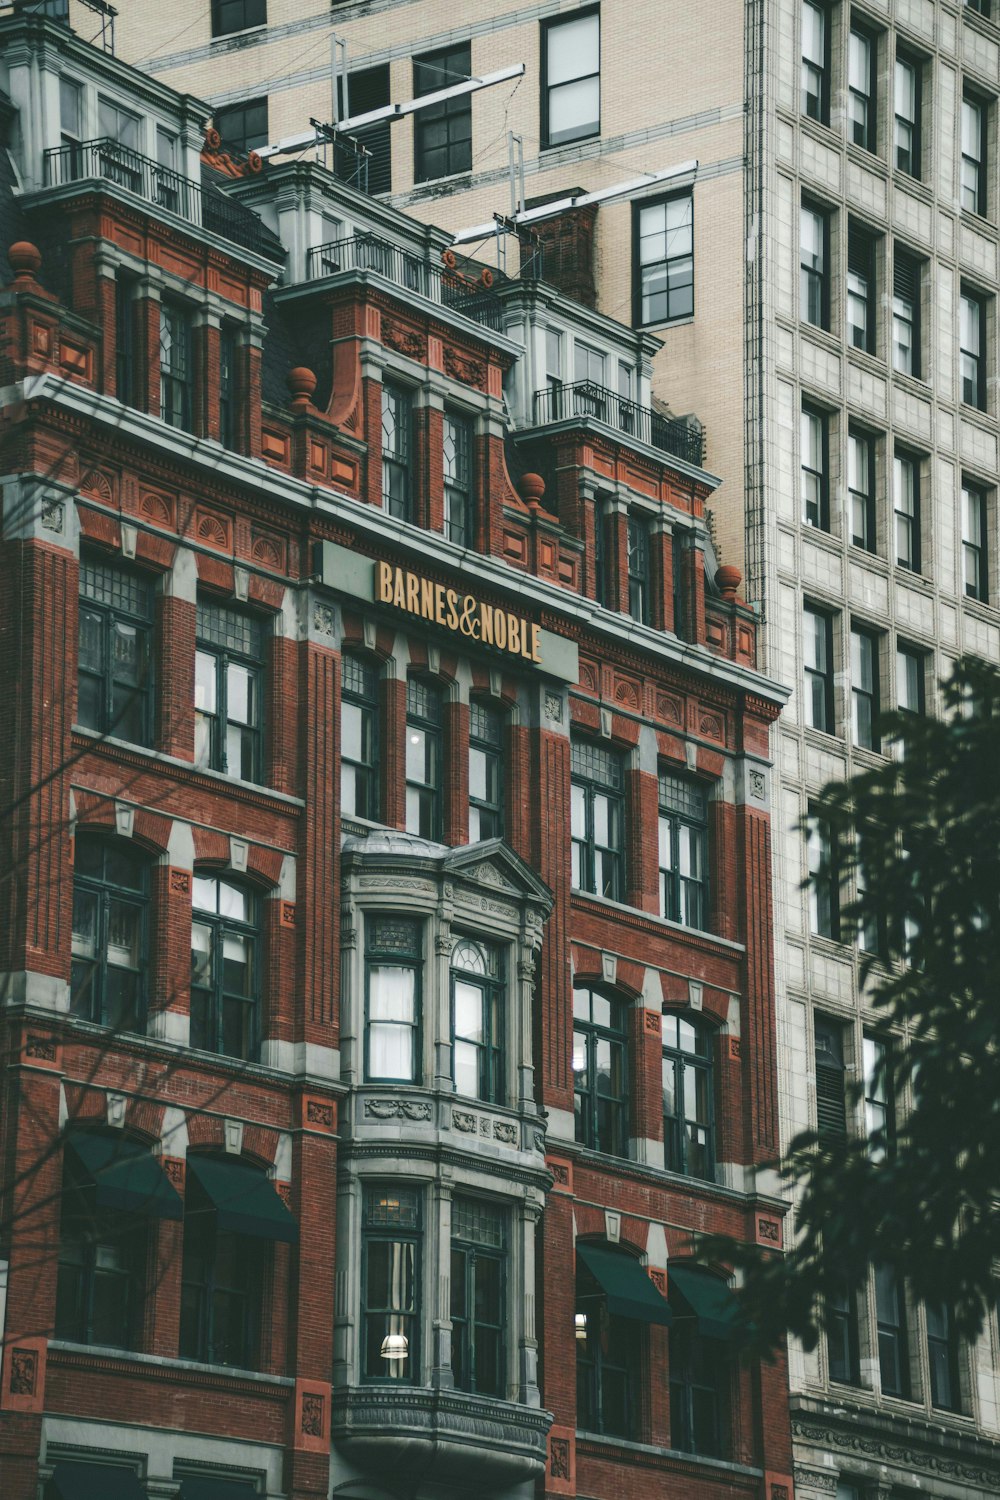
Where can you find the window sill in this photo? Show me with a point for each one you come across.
(982, 223)
(165, 1362)
(548, 152)
(649, 1450)
(175, 762)
(870, 557)
(871, 161)
(914, 185)
(249, 33)
(684, 322)
(660, 922)
(872, 364)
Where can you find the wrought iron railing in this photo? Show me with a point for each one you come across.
(410, 272)
(585, 399)
(110, 161)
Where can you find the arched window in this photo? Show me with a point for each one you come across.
(704, 1327)
(599, 1072)
(477, 994)
(615, 1298)
(110, 911)
(225, 965)
(688, 1106)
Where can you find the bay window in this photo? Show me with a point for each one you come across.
(478, 1020)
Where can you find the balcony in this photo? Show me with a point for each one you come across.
(108, 160)
(449, 287)
(585, 399)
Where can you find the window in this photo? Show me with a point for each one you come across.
(442, 132)
(228, 689)
(683, 851)
(115, 655)
(478, 1316)
(222, 1273)
(972, 349)
(243, 127)
(126, 385)
(390, 1284)
(871, 923)
(861, 485)
(815, 77)
(814, 256)
(862, 49)
(117, 124)
(824, 882)
(176, 367)
(368, 89)
(688, 1106)
(975, 555)
(359, 740)
(101, 1254)
(571, 79)
(663, 275)
(607, 1358)
(71, 122)
(974, 119)
(224, 967)
(906, 510)
(699, 1377)
(907, 123)
(110, 954)
(906, 279)
(680, 552)
(397, 426)
(909, 680)
(166, 178)
(553, 370)
(485, 773)
(598, 819)
(981, 7)
(861, 292)
(890, 1313)
(227, 385)
(424, 779)
(637, 537)
(237, 15)
(942, 1352)
(842, 1335)
(814, 477)
(393, 958)
(599, 1072)
(864, 688)
(588, 369)
(880, 1116)
(818, 664)
(459, 513)
(831, 1099)
(478, 1020)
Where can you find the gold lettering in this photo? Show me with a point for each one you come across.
(413, 593)
(513, 635)
(399, 592)
(500, 628)
(384, 583)
(452, 619)
(536, 643)
(426, 598)
(439, 603)
(487, 619)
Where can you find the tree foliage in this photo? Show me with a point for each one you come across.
(922, 830)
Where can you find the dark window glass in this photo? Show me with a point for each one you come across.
(125, 371)
(390, 1284)
(831, 1098)
(115, 653)
(864, 688)
(890, 1312)
(664, 270)
(975, 554)
(981, 7)
(478, 1312)
(679, 554)
(817, 648)
(638, 568)
(571, 79)
(906, 280)
(699, 1388)
(227, 385)
(942, 1353)
(368, 89)
(862, 49)
(237, 15)
(228, 692)
(861, 292)
(880, 1111)
(225, 965)
(608, 1362)
(598, 820)
(222, 1278)
(909, 680)
(393, 962)
(824, 880)
(975, 114)
(972, 349)
(815, 63)
(814, 256)
(815, 471)
(397, 425)
(110, 938)
(99, 1273)
(683, 851)
(243, 127)
(842, 1341)
(359, 740)
(688, 1105)
(478, 1020)
(906, 510)
(176, 367)
(599, 1072)
(459, 512)
(907, 121)
(442, 132)
(485, 773)
(424, 759)
(861, 485)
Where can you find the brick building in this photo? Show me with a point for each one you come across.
(387, 988)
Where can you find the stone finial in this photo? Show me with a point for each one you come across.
(531, 488)
(25, 259)
(727, 581)
(301, 382)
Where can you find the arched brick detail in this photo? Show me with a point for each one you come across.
(96, 813)
(145, 1118)
(354, 637)
(206, 1132)
(93, 810)
(589, 1221)
(85, 1104)
(629, 978)
(99, 528)
(210, 846)
(586, 967)
(266, 592)
(155, 551)
(260, 1143)
(265, 864)
(215, 574)
(152, 829)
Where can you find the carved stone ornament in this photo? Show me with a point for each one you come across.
(397, 1109)
(312, 1414)
(910, 1457)
(468, 371)
(464, 1121)
(815, 1479)
(180, 882)
(53, 515)
(323, 618)
(758, 786)
(554, 707)
(559, 1464)
(43, 1047)
(318, 1113)
(404, 340)
(23, 1372)
(506, 1132)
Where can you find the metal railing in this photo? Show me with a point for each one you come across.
(585, 399)
(368, 252)
(110, 161)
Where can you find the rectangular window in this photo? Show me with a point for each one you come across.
(125, 372)
(842, 1340)
(176, 367)
(368, 89)
(974, 121)
(390, 1284)
(393, 958)
(871, 921)
(824, 880)
(814, 460)
(71, 118)
(981, 7)
(600, 1072)
(478, 1012)
(880, 1117)
(906, 281)
(942, 1354)
(861, 290)
(831, 1080)
(909, 680)
(237, 15)
(571, 79)
(122, 126)
(478, 1314)
(907, 111)
(485, 773)
(102, 1252)
(972, 349)
(663, 274)
(683, 851)
(359, 740)
(227, 385)
(228, 692)
(890, 1313)
(814, 257)
(598, 820)
(243, 127)
(862, 48)
(397, 433)
(906, 510)
(115, 654)
(864, 688)
(688, 1105)
(818, 664)
(975, 555)
(679, 553)
(424, 755)
(459, 516)
(815, 75)
(861, 486)
(225, 967)
(554, 369)
(638, 568)
(442, 132)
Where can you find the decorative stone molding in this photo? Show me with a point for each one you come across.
(397, 1109)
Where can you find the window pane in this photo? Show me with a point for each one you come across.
(573, 49)
(391, 993)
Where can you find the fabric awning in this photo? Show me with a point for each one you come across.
(245, 1201)
(629, 1291)
(81, 1481)
(125, 1175)
(709, 1299)
(206, 1487)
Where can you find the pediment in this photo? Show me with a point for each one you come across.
(493, 865)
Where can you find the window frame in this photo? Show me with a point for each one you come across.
(879, 1094)
(973, 362)
(818, 675)
(250, 659)
(366, 703)
(863, 503)
(429, 794)
(698, 1364)
(612, 1140)
(865, 697)
(459, 479)
(843, 1321)
(861, 246)
(904, 59)
(676, 896)
(239, 143)
(177, 366)
(106, 893)
(606, 1334)
(974, 195)
(456, 111)
(585, 849)
(220, 926)
(905, 653)
(220, 7)
(109, 615)
(677, 1123)
(820, 68)
(96, 1230)
(465, 1329)
(891, 1332)
(822, 859)
(410, 960)
(590, 129)
(946, 1345)
(491, 1059)
(867, 139)
(229, 383)
(397, 459)
(814, 280)
(637, 529)
(491, 749)
(906, 312)
(818, 479)
(906, 522)
(975, 547)
(411, 1234)
(640, 266)
(831, 1078)
(201, 1244)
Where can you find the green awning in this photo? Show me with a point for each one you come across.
(126, 1176)
(630, 1292)
(76, 1481)
(708, 1298)
(245, 1201)
(205, 1487)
